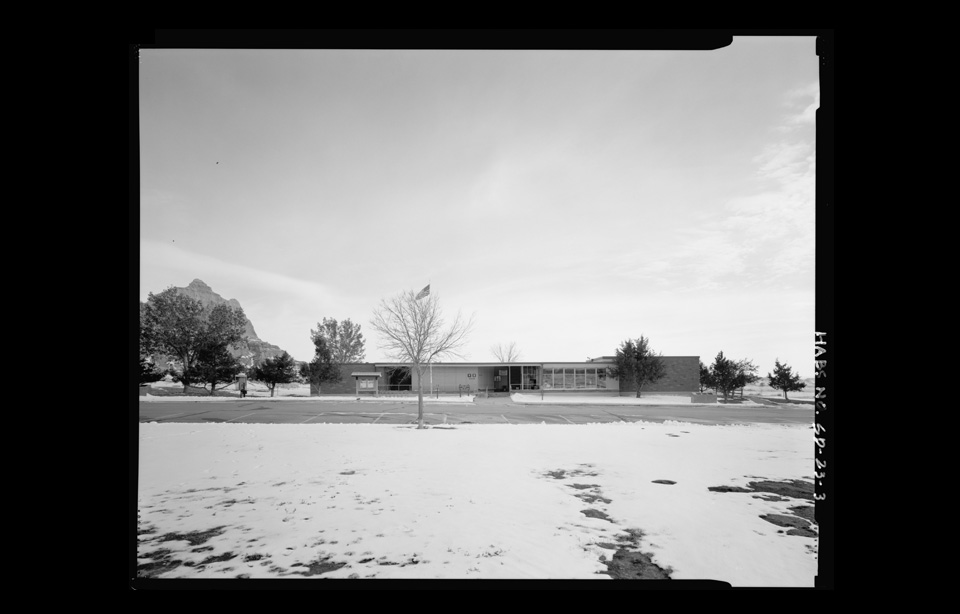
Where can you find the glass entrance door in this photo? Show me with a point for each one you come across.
(516, 378)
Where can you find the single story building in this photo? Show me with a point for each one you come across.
(682, 377)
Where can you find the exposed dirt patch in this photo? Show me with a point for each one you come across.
(318, 567)
(798, 489)
(560, 474)
(802, 532)
(155, 568)
(664, 482)
(628, 563)
(161, 563)
(728, 489)
(769, 497)
(583, 486)
(195, 538)
(782, 520)
(588, 498)
(804, 511)
(226, 556)
(592, 513)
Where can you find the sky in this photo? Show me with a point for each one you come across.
(565, 200)
(225, 501)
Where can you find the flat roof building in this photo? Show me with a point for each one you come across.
(682, 377)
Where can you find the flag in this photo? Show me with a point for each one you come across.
(423, 293)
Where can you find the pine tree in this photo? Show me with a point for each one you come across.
(746, 374)
(149, 372)
(323, 368)
(705, 379)
(723, 374)
(636, 363)
(784, 379)
(215, 365)
(278, 370)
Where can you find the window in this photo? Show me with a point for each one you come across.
(601, 378)
(580, 377)
(530, 377)
(591, 378)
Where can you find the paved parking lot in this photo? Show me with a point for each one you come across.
(483, 411)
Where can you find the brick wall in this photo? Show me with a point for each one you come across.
(682, 375)
(347, 384)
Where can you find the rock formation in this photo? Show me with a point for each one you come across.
(257, 350)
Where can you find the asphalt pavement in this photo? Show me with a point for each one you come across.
(482, 411)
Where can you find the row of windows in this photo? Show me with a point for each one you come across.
(575, 378)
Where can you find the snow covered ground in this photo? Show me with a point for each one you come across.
(473, 501)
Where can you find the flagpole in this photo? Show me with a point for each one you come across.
(422, 294)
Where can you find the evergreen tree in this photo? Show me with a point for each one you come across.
(149, 372)
(215, 365)
(784, 379)
(278, 370)
(726, 375)
(636, 363)
(706, 380)
(723, 374)
(746, 374)
(323, 368)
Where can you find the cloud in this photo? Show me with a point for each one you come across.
(173, 264)
(784, 160)
(803, 103)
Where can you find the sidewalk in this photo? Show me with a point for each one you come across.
(443, 399)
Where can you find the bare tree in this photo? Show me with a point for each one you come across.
(508, 353)
(413, 330)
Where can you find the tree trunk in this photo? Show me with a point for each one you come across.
(420, 402)
(638, 390)
(271, 389)
(785, 394)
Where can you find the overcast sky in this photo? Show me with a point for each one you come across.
(568, 200)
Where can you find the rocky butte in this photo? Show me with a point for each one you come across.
(257, 350)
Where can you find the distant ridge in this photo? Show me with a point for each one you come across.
(257, 350)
